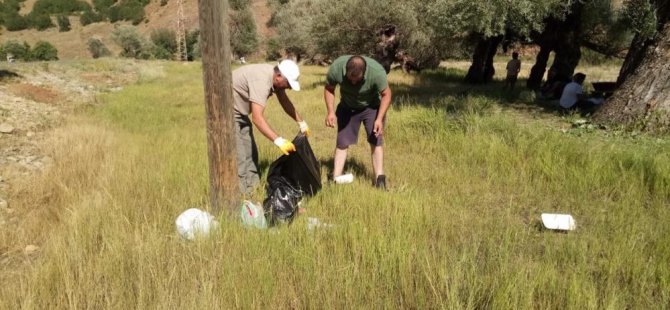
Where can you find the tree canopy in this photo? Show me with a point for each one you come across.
(428, 30)
(351, 27)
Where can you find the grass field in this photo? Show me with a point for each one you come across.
(470, 170)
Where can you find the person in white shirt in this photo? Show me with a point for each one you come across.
(573, 94)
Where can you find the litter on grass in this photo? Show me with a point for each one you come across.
(558, 221)
(252, 215)
(194, 223)
(314, 223)
(344, 179)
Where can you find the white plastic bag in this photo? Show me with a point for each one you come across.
(558, 221)
(195, 222)
(252, 215)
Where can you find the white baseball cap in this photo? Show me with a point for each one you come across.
(289, 69)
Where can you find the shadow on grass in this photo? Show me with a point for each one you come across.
(438, 87)
(6, 74)
(350, 166)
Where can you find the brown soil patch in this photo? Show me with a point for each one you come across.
(27, 7)
(262, 14)
(35, 93)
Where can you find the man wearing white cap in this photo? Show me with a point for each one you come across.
(253, 85)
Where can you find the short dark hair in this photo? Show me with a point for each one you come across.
(515, 55)
(579, 77)
(356, 66)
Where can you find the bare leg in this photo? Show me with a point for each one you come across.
(338, 162)
(377, 160)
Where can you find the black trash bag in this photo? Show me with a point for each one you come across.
(290, 178)
(281, 205)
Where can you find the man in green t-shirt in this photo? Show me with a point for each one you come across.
(364, 98)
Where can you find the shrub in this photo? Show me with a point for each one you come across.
(40, 21)
(114, 14)
(193, 44)
(101, 5)
(127, 10)
(161, 53)
(63, 23)
(273, 49)
(10, 5)
(165, 43)
(20, 51)
(244, 40)
(239, 4)
(164, 2)
(132, 44)
(90, 17)
(196, 52)
(44, 51)
(59, 6)
(97, 48)
(16, 22)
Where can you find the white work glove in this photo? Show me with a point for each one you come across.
(304, 128)
(284, 145)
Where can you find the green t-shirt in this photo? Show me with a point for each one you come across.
(364, 94)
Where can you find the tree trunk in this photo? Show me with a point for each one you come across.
(638, 48)
(482, 70)
(537, 72)
(563, 37)
(566, 60)
(568, 43)
(643, 100)
(635, 54)
(547, 41)
(386, 47)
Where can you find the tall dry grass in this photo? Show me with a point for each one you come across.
(469, 175)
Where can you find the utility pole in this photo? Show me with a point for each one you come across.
(182, 54)
(221, 143)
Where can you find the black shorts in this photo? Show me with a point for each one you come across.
(349, 122)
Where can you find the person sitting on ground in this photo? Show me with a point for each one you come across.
(573, 96)
(513, 68)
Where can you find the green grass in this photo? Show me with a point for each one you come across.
(469, 174)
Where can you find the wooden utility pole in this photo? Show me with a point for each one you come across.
(221, 143)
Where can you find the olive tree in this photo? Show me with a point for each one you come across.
(487, 23)
(244, 39)
(334, 28)
(594, 24)
(642, 101)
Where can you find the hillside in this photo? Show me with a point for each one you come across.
(72, 44)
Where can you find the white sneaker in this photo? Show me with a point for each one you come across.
(344, 179)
